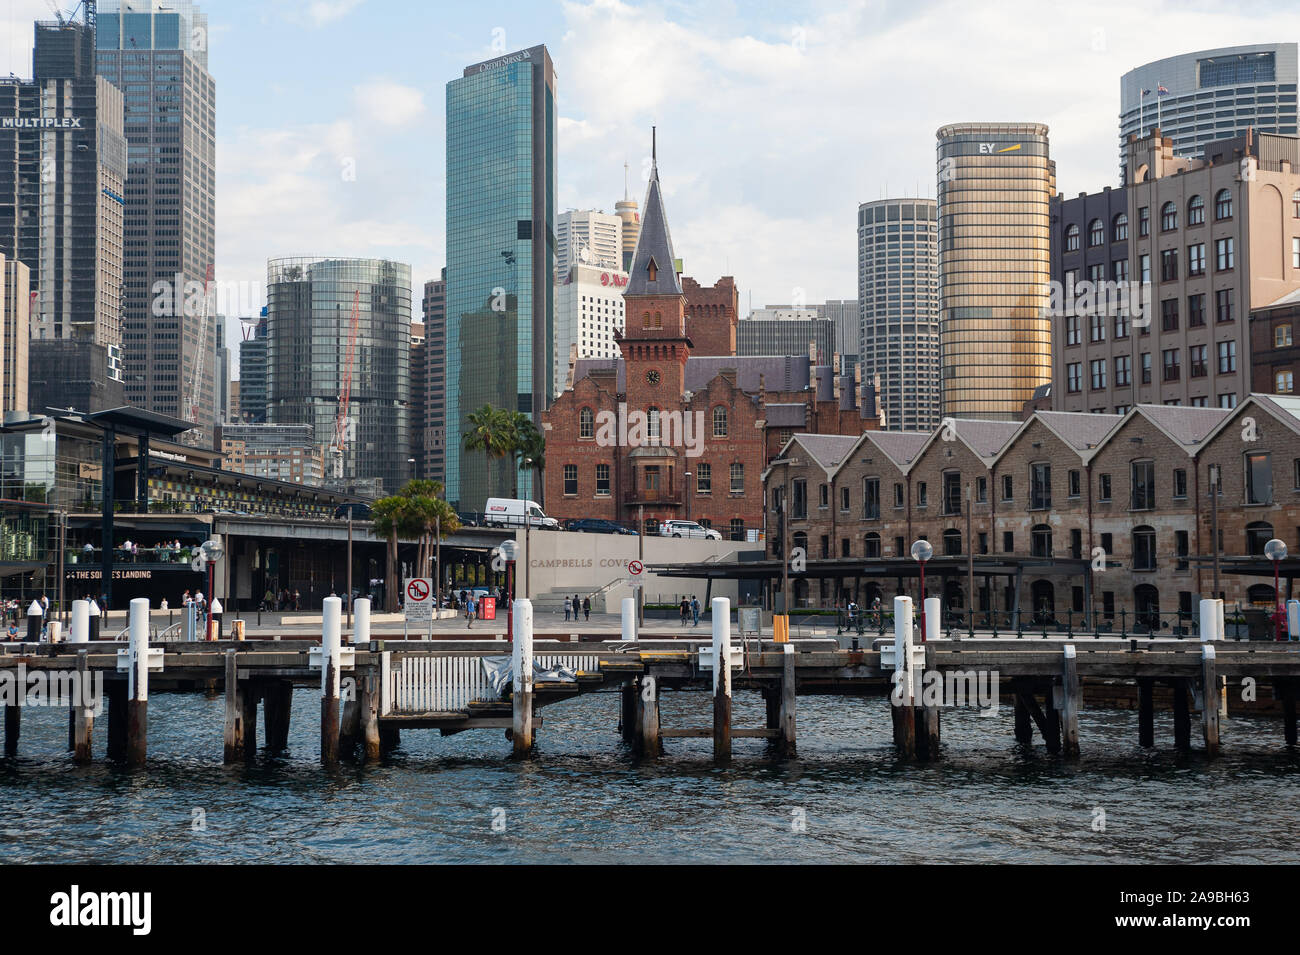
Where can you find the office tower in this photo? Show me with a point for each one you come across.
(252, 371)
(995, 183)
(156, 51)
(310, 304)
(1199, 98)
(588, 315)
(419, 404)
(221, 371)
(500, 259)
(17, 333)
(1213, 240)
(62, 169)
(787, 331)
(588, 237)
(626, 210)
(280, 452)
(898, 308)
(434, 374)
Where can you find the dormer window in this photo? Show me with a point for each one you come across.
(652, 270)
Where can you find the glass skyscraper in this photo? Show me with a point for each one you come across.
(308, 325)
(156, 52)
(898, 307)
(1209, 96)
(996, 181)
(500, 259)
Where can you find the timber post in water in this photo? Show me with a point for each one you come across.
(903, 697)
(331, 635)
(521, 662)
(721, 679)
(137, 704)
(1071, 701)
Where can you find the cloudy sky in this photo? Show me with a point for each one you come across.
(775, 118)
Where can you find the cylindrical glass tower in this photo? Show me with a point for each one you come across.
(995, 342)
(308, 327)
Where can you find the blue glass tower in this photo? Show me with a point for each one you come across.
(500, 259)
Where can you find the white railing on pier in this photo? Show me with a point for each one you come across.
(440, 684)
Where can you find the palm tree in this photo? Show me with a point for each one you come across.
(416, 511)
(530, 451)
(491, 430)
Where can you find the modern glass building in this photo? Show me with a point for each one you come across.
(996, 181)
(500, 259)
(898, 308)
(1210, 95)
(308, 326)
(156, 52)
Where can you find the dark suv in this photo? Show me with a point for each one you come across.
(597, 525)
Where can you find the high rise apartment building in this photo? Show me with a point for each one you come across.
(588, 237)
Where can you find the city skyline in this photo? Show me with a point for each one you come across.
(282, 137)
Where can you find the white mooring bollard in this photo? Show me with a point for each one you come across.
(933, 618)
(629, 619)
(80, 632)
(361, 620)
(521, 671)
(1211, 620)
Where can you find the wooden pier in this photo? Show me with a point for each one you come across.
(372, 690)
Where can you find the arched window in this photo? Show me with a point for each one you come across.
(1168, 217)
(645, 320)
(1144, 548)
(872, 548)
(1041, 541)
(952, 543)
(1258, 533)
(1096, 233)
(1119, 228)
(1195, 210)
(1072, 238)
(800, 539)
(1223, 204)
(1146, 606)
(1262, 596)
(720, 421)
(586, 423)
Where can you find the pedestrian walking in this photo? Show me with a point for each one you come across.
(695, 611)
(566, 608)
(685, 609)
(586, 608)
(469, 612)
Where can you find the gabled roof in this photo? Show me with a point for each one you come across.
(901, 447)
(826, 450)
(1286, 408)
(1079, 430)
(985, 438)
(1186, 427)
(653, 244)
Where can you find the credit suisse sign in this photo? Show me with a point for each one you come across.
(618, 281)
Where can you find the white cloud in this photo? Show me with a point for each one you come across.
(391, 104)
(322, 12)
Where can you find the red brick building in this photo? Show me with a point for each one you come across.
(680, 431)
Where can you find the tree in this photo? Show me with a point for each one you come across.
(529, 448)
(415, 512)
(490, 431)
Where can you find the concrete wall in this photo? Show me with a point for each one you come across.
(571, 563)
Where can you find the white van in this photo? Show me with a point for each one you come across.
(509, 512)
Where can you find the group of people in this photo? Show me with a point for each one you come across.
(284, 600)
(577, 605)
(690, 610)
(130, 550)
(852, 610)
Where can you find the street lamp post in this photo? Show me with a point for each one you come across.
(922, 552)
(687, 477)
(1275, 550)
(509, 551)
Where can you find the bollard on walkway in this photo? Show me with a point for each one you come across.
(629, 619)
(361, 621)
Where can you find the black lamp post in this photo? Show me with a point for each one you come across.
(922, 552)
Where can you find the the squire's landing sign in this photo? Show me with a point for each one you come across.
(53, 122)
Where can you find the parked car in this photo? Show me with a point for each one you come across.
(597, 525)
(688, 529)
(509, 512)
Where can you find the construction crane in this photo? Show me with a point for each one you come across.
(194, 388)
(66, 21)
(345, 392)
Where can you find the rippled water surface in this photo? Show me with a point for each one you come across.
(583, 799)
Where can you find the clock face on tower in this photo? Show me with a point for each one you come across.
(652, 377)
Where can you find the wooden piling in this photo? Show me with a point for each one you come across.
(277, 699)
(522, 676)
(1182, 716)
(331, 634)
(233, 735)
(927, 730)
(13, 726)
(369, 706)
(627, 712)
(1071, 702)
(1024, 727)
(786, 711)
(1051, 726)
(903, 697)
(1209, 700)
(350, 732)
(137, 705)
(116, 720)
(252, 693)
(1288, 693)
(1146, 712)
(390, 738)
(648, 742)
(772, 707)
(721, 679)
(83, 714)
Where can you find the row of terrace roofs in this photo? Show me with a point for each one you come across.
(1188, 427)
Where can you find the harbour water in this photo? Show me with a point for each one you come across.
(583, 799)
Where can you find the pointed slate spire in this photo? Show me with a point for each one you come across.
(654, 268)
